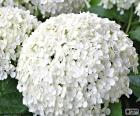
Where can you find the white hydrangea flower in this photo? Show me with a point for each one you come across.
(49, 7)
(15, 26)
(55, 7)
(121, 4)
(73, 63)
(22, 4)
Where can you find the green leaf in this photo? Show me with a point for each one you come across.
(116, 109)
(94, 2)
(135, 84)
(138, 100)
(10, 98)
(135, 34)
(135, 79)
(137, 46)
(110, 13)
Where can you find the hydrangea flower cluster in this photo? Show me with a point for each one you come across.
(122, 5)
(15, 26)
(73, 63)
(49, 7)
(55, 7)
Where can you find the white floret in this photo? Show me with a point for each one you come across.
(73, 63)
(15, 26)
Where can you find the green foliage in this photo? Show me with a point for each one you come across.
(135, 34)
(135, 85)
(10, 98)
(116, 109)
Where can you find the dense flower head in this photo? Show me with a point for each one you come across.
(15, 26)
(49, 7)
(55, 7)
(73, 63)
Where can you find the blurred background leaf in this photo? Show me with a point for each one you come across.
(10, 98)
(135, 84)
(94, 2)
(135, 34)
(116, 109)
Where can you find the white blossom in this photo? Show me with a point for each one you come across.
(15, 26)
(49, 7)
(73, 63)
(121, 4)
(55, 7)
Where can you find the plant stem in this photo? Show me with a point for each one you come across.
(130, 20)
